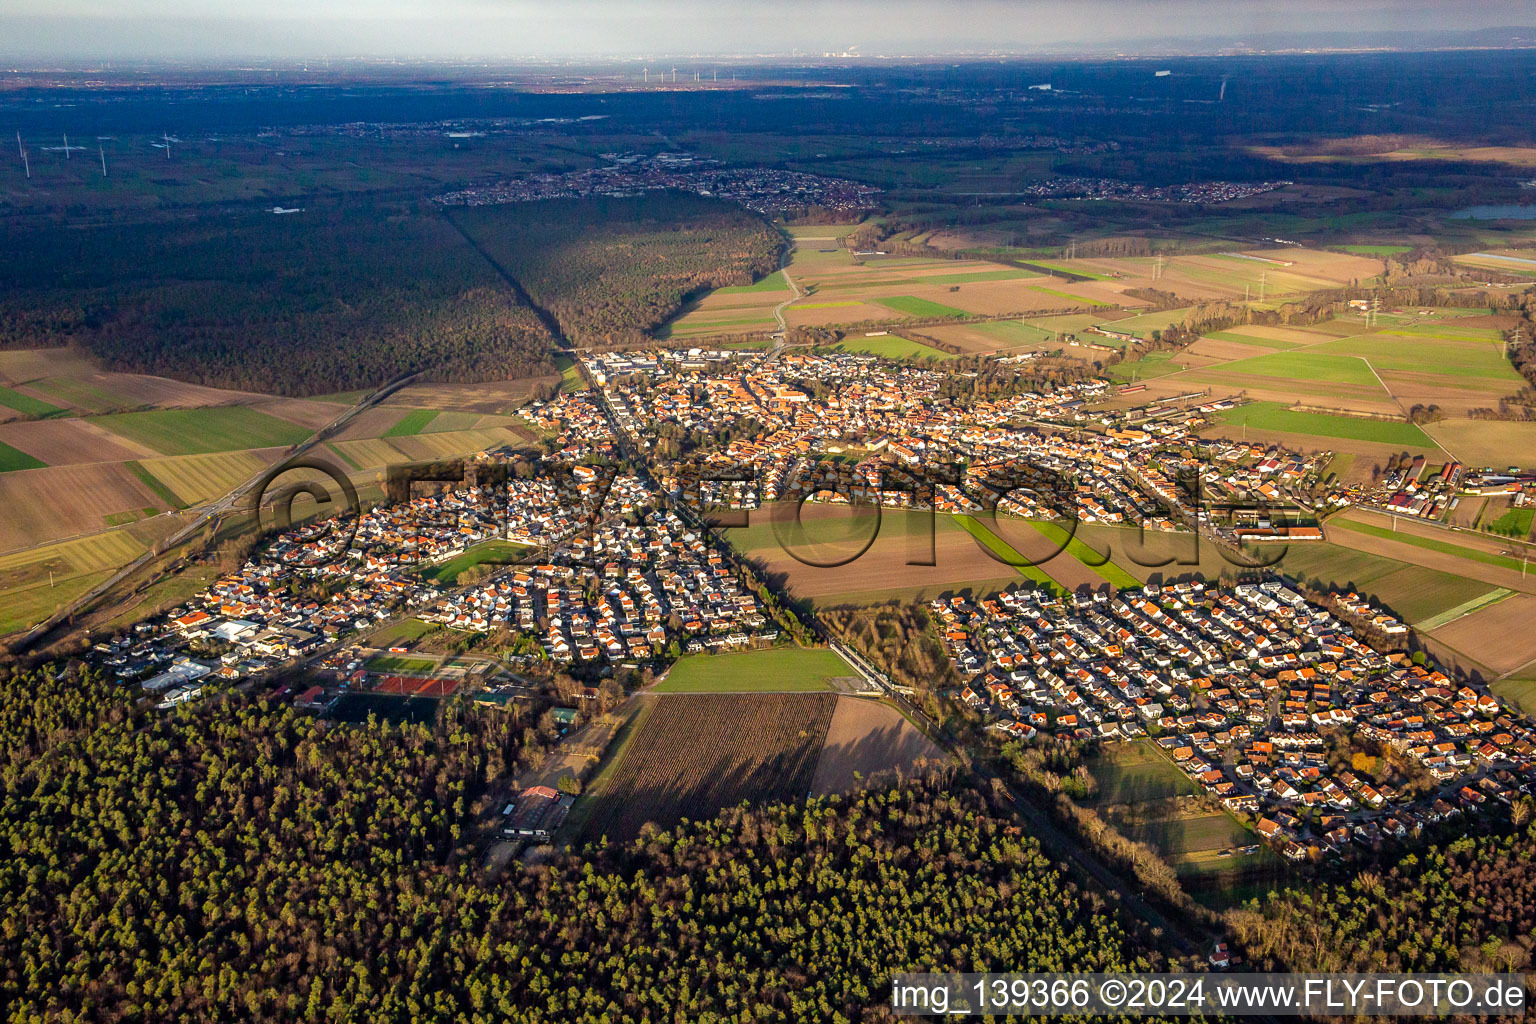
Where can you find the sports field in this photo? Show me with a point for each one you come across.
(773, 670)
(497, 552)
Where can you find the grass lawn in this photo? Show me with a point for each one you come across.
(224, 428)
(27, 405)
(1003, 549)
(496, 551)
(1516, 522)
(570, 374)
(913, 306)
(12, 459)
(1153, 364)
(892, 347)
(1274, 416)
(1135, 772)
(775, 669)
(413, 422)
(26, 606)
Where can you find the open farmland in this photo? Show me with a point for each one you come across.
(1275, 417)
(893, 347)
(63, 442)
(195, 479)
(42, 505)
(1498, 635)
(774, 670)
(1495, 443)
(696, 754)
(200, 431)
(824, 559)
(868, 741)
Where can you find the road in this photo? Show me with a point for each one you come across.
(778, 311)
(208, 514)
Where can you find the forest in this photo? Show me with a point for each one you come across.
(327, 299)
(239, 861)
(611, 269)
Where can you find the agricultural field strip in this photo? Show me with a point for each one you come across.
(1461, 611)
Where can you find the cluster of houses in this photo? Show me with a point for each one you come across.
(625, 590)
(1414, 491)
(1243, 686)
(766, 190)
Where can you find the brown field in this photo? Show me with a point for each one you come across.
(496, 396)
(858, 312)
(1443, 561)
(23, 365)
(1499, 636)
(867, 740)
(1487, 442)
(971, 341)
(1470, 508)
(1034, 545)
(70, 442)
(1456, 396)
(42, 505)
(303, 411)
(368, 454)
(371, 422)
(697, 754)
(1316, 396)
(881, 572)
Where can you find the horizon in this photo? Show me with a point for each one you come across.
(179, 32)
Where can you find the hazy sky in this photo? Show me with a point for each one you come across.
(214, 29)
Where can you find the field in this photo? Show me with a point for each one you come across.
(1414, 592)
(12, 459)
(774, 670)
(1493, 443)
(837, 289)
(892, 347)
(1469, 547)
(1276, 417)
(695, 754)
(1136, 773)
(42, 505)
(1274, 273)
(194, 479)
(202, 431)
(64, 442)
(867, 739)
(495, 552)
(1499, 635)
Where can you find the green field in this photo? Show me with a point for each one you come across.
(1094, 560)
(404, 631)
(1515, 522)
(26, 606)
(1153, 364)
(224, 428)
(1274, 416)
(892, 347)
(413, 422)
(912, 306)
(26, 404)
(976, 275)
(1016, 332)
(1415, 593)
(1182, 837)
(1009, 554)
(495, 551)
(1451, 358)
(12, 459)
(1057, 294)
(1136, 772)
(1521, 691)
(1076, 271)
(1428, 543)
(1144, 324)
(1375, 250)
(1307, 366)
(775, 669)
(1252, 340)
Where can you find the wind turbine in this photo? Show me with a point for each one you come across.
(66, 145)
(103, 154)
